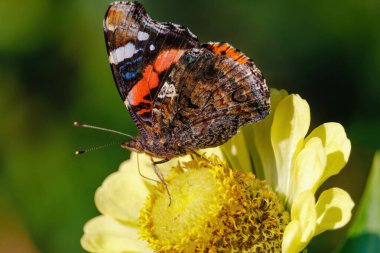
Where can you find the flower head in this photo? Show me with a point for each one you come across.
(295, 165)
(214, 209)
(217, 209)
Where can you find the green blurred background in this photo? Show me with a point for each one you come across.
(54, 70)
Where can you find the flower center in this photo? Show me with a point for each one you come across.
(213, 209)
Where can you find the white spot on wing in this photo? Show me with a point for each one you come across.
(152, 47)
(142, 36)
(126, 103)
(122, 53)
(192, 34)
(167, 90)
(111, 27)
(179, 27)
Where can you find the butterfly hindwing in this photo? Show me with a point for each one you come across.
(210, 93)
(142, 53)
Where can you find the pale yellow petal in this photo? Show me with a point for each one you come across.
(276, 96)
(291, 242)
(337, 147)
(122, 193)
(258, 141)
(104, 234)
(309, 167)
(290, 124)
(303, 210)
(301, 229)
(334, 208)
(237, 154)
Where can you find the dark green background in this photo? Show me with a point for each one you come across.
(54, 70)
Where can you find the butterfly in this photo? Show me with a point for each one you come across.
(182, 95)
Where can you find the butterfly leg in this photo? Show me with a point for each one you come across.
(161, 177)
(142, 175)
(161, 161)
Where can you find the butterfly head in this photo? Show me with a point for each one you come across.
(154, 148)
(135, 144)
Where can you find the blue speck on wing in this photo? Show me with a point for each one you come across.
(129, 75)
(130, 62)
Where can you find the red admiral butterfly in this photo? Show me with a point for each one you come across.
(182, 95)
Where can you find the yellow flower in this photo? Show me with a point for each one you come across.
(215, 209)
(295, 165)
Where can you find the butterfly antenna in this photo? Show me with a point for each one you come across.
(76, 123)
(80, 152)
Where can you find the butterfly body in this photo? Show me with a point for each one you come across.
(182, 95)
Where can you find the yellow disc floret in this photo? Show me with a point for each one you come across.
(213, 209)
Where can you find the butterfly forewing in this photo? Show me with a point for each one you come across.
(142, 53)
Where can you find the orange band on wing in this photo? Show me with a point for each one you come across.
(150, 78)
(227, 50)
(142, 88)
(167, 58)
